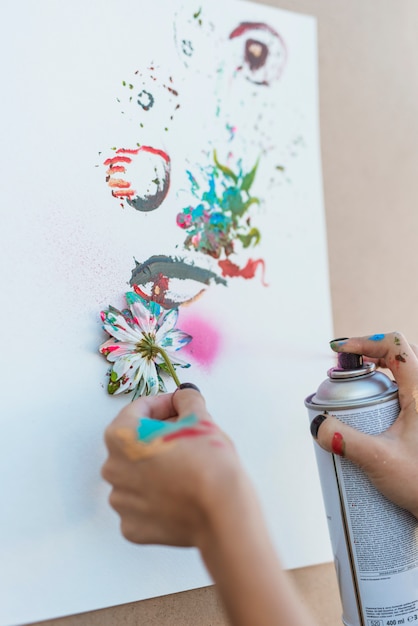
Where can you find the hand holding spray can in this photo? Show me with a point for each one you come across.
(375, 542)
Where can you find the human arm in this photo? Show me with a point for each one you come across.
(190, 489)
(390, 459)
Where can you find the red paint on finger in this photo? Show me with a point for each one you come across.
(338, 444)
(186, 433)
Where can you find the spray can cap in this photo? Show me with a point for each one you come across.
(349, 361)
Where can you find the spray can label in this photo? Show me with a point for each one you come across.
(375, 542)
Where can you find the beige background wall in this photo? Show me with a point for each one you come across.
(368, 60)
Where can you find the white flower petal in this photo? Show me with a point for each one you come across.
(116, 325)
(176, 360)
(145, 316)
(125, 363)
(150, 375)
(166, 322)
(125, 385)
(175, 340)
(113, 349)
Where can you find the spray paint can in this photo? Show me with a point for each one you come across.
(375, 542)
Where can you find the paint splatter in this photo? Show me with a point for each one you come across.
(248, 271)
(171, 281)
(194, 39)
(148, 169)
(150, 97)
(264, 54)
(153, 436)
(377, 337)
(220, 220)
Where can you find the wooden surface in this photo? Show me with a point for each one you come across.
(317, 586)
(368, 54)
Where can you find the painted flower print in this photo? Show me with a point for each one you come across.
(143, 346)
(220, 219)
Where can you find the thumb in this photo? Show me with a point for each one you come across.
(187, 399)
(334, 436)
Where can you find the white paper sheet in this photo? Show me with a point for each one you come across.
(67, 251)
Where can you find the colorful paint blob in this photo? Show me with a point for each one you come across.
(171, 281)
(248, 271)
(263, 54)
(149, 171)
(220, 220)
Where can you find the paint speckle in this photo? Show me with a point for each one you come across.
(377, 337)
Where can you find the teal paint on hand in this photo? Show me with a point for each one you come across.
(377, 337)
(149, 429)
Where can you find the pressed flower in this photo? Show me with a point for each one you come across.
(143, 346)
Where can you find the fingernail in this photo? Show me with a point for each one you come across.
(338, 444)
(188, 386)
(336, 343)
(316, 423)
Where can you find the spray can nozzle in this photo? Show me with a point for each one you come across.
(349, 361)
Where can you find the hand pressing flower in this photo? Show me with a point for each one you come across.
(143, 346)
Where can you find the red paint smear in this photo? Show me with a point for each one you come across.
(246, 26)
(231, 269)
(160, 153)
(141, 293)
(128, 151)
(118, 182)
(186, 433)
(116, 168)
(123, 194)
(206, 343)
(125, 159)
(338, 444)
(119, 159)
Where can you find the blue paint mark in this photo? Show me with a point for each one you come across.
(149, 429)
(377, 337)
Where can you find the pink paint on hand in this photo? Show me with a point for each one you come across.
(206, 343)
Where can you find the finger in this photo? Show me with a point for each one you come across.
(121, 433)
(187, 401)
(156, 407)
(338, 438)
(391, 350)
